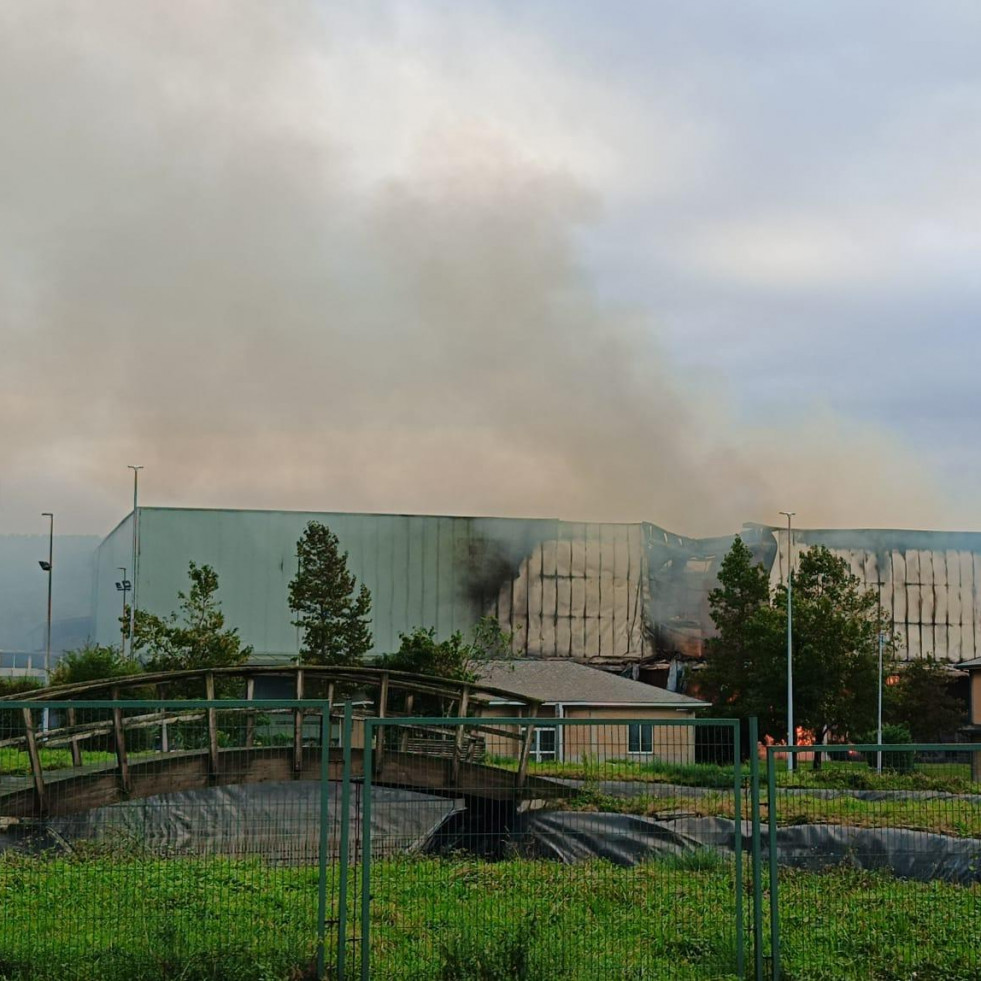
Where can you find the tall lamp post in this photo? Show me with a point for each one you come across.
(48, 567)
(878, 724)
(791, 740)
(136, 552)
(123, 587)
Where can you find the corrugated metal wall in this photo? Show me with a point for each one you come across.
(930, 583)
(563, 589)
(581, 593)
(595, 592)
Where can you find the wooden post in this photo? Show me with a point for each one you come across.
(380, 737)
(121, 759)
(35, 757)
(209, 693)
(76, 749)
(458, 739)
(404, 740)
(164, 733)
(298, 725)
(250, 718)
(526, 746)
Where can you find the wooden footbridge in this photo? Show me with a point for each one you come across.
(232, 743)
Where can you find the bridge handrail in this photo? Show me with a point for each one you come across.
(403, 680)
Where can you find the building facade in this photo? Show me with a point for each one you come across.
(616, 595)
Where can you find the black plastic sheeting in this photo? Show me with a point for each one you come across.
(278, 821)
(575, 836)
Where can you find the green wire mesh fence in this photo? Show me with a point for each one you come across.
(165, 839)
(242, 840)
(563, 849)
(874, 863)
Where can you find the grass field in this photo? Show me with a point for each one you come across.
(107, 917)
(952, 778)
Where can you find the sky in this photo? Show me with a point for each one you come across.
(685, 263)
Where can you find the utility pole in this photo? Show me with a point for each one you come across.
(791, 738)
(136, 550)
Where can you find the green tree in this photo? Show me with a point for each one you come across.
(922, 701)
(332, 612)
(195, 637)
(93, 662)
(741, 658)
(457, 658)
(836, 623)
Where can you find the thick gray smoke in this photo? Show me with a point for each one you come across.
(277, 258)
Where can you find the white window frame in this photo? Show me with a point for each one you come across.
(641, 729)
(551, 755)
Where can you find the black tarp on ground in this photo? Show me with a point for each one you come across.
(576, 836)
(278, 821)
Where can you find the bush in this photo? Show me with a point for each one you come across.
(18, 686)
(93, 662)
(894, 761)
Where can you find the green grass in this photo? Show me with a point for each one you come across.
(15, 762)
(961, 819)
(113, 917)
(953, 778)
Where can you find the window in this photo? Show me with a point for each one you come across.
(640, 739)
(544, 748)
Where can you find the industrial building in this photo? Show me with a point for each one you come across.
(630, 597)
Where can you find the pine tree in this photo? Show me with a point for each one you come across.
(331, 611)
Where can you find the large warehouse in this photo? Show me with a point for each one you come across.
(613, 594)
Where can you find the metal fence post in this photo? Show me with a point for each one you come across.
(757, 871)
(369, 736)
(771, 790)
(737, 787)
(324, 843)
(345, 836)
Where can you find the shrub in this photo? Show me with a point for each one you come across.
(896, 761)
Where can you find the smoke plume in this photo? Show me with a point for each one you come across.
(288, 259)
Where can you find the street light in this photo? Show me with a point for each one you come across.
(878, 725)
(790, 641)
(136, 546)
(48, 567)
(124, 586)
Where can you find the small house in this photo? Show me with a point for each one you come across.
(577, 692)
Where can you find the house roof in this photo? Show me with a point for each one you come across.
(970, 665)
(571, 683)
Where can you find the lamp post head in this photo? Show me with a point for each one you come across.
(45, 566)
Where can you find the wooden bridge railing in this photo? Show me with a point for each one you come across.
(457, 698)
